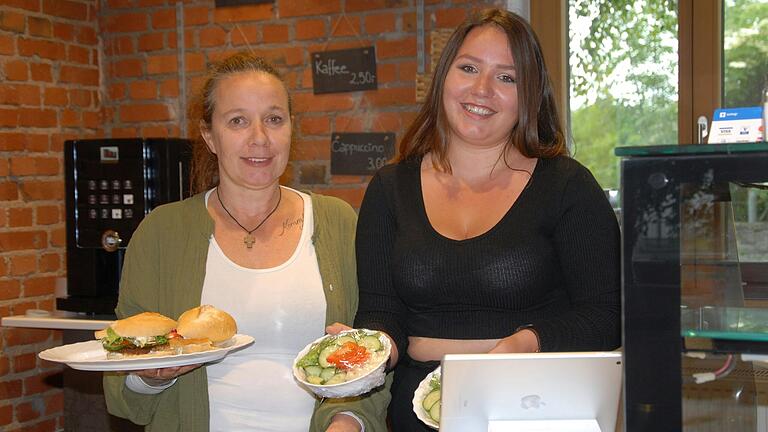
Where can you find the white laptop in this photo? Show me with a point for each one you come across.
(562, 392)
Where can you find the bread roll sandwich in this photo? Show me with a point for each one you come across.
(150, 334)
(206, 322)
(141, 334)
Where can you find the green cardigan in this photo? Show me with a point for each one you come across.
(163, 272)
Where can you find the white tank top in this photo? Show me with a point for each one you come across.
(283, 308)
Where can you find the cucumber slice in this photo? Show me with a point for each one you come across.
(372, 343)
(327, 373)
(338, 378)
(322, 359)
(435, 412)
(313, 370)
(314, 380)
(430, 400)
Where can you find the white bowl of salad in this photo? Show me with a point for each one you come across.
(426, 399)
(347, 364)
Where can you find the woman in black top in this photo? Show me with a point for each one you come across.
(485, 236)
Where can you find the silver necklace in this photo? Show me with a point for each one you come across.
(249, 240)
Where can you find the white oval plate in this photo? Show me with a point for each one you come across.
(418, 396)
(90, 356)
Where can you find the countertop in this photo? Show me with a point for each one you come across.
(60, 320)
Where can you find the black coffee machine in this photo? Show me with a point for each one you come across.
(111, 184)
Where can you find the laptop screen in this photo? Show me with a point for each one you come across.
(561, 392)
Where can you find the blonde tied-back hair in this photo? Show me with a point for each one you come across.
(204, 168)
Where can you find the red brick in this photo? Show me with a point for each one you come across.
(4, 171)
(386, 73)
(16, 70)
(63, 31)
(349, 123)
(39, 286)
(22, 265)
(43, 48)
(19, 217)
(142, 90)
(36, 142)
(292, 8)
(151, 42)
(22, 308)
(79, 75)
(34, 166)
(123, 132)
(86, 35)
(392, 96)
(70, 118)
(245, 35)
(54, 96)
(29, 94)
(9, 118)
(40, 72)
(142, 113)
(40, 26)
(81, 97)
(37, 117)
(77, 54)
(9, 289)
(126, 23)
(66, 9)
(49, 263)
(128, 68)
(38, 383)
(54, 403)
(10, 389)
(308, 102)
(22, 336)
(213, 37)
(12, 141)
(311, 150)
(58, 237)
(405, 47)
(117, 91)
(26, 412)
(315, 125)
(8, 191)
(11, 21)
(47, 214)
(7, 45)
(24, 362)
(244, 13)
(275, 34)
(169, 88)
(406, 71)
(162, 64)
(164, 19)
(123, 45)
(380, 23)
(196, 15)
(345, 26)
(5, 367)
(92, 119)
(43, 190)
(6, 415)
(364, 5)
(310, 29)
(195, 62)
(449, 17)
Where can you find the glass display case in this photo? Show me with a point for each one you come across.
(694, 266)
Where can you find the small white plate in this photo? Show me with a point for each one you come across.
(90, 356)
(418, 396)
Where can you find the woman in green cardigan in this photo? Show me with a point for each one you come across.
(281, 261)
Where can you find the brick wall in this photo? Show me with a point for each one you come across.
(49, 91)
(89, 68)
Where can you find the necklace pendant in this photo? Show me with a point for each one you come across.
(249, 241)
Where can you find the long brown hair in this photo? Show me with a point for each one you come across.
(205, 168)
(538, 132)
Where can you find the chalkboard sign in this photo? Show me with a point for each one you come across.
(361, 153)
(344, 70)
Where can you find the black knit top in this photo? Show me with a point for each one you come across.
(552, 261)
